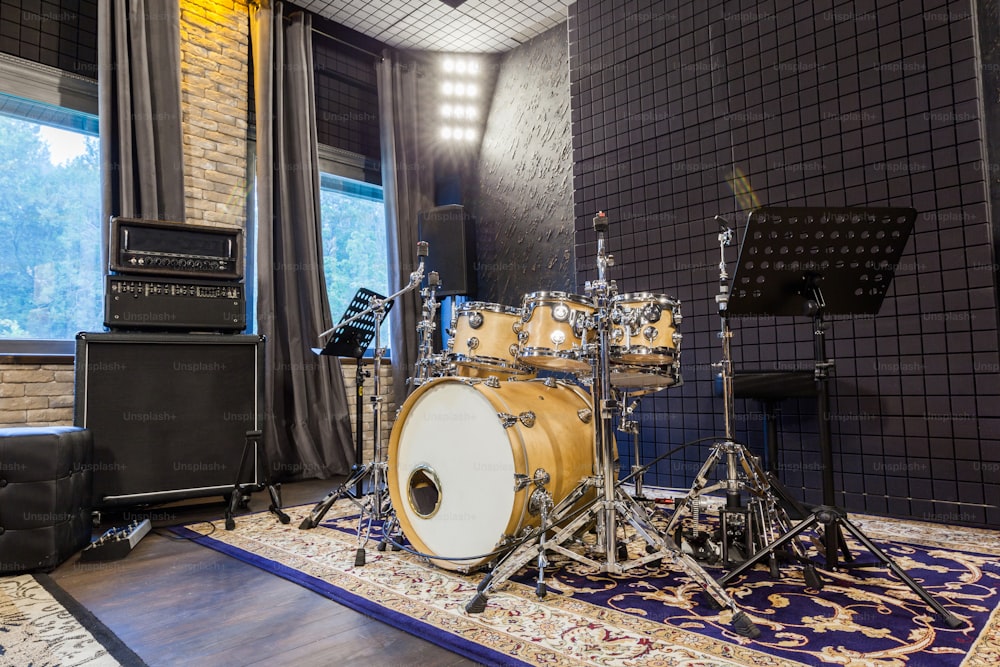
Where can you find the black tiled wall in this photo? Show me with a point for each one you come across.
(682, 111)
(346, 97)
(58, 33)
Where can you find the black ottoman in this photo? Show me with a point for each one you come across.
(45, 487)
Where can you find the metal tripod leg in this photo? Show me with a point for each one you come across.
(832, 518)
(627, 508)
(358, 474)
(253, 441)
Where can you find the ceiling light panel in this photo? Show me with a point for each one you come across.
(477, 26)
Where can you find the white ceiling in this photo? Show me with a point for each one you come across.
(476, 26)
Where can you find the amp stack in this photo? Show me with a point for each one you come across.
(172, 389)
(169, 276)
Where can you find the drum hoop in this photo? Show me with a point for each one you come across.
(492, 361)
(558, 296)
(645, 296)
(491, 307)
(641, 349)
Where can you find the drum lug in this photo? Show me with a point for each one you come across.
(472, 343)
(650, 333)
(549, 382)
(677, 339)
(585, 415)
(507, 420)
(652, 312)
(540, 500)
(476, 320)
(492, 381)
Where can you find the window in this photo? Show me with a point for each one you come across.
(354, 243)
(51, 278)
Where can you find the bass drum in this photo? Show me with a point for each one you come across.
(456, 449)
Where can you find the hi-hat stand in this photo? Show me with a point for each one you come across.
(377, 505)
(815, 261)
(611, 503)
(743, 530)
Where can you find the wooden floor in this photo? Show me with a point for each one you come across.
(176, 603)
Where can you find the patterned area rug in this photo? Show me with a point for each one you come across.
(42, 626)
(654, 616)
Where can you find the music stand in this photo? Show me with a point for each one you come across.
(807, 261)
(352, 338)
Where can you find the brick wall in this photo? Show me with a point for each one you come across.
(215, 56)
(36, 394)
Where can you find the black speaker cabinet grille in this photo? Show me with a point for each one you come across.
(451, 240)
(168, 412)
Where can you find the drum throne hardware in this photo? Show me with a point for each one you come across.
(611, 502)
(788, 254)
(743, 530)
(376, 506)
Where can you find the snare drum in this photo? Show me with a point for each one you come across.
(554, 331)
(457, 449)
(484, 341)
(644, 329)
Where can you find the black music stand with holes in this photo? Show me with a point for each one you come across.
(814, 262)
(353, 340)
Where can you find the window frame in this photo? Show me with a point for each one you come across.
(346, 164)
(47, 85)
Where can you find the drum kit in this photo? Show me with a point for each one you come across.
(504, 451)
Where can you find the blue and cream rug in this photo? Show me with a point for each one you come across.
(655, 617)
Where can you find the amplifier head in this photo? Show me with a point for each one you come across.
(175, 248)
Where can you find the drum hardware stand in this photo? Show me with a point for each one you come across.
(378, 505)
(427, 366)
(626, 424)
(854, 289)
(254, 441)
(611, 500)
(746, 529)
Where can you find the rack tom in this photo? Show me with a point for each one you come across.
(644, 329)
(554, 333)
(484, 340)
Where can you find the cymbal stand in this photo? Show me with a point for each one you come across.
(612, 502)
(746, 529)
(377, 505)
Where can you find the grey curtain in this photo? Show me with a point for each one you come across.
(407, 187)
(139, 102)
(307, 430)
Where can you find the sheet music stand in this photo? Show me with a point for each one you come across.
(813, 262)
(353, 340)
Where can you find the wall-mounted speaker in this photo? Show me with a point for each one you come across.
(451, 241)
(169, 413)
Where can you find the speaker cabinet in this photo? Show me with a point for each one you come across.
(451, 243)
(169, 413)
